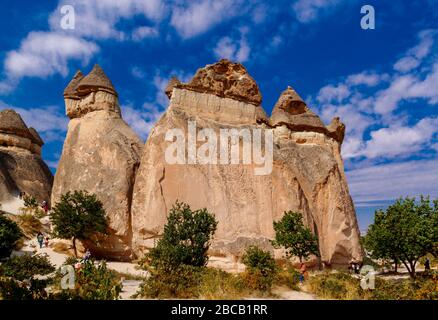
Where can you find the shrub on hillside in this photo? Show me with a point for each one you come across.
(26, 267)
(261, 269)
(92, 282)
(186, 239)
(10, 233)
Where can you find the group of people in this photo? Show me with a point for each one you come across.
(42, 240)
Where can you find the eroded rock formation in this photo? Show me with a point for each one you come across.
(101, 154)
(307, 174)
(21, 166)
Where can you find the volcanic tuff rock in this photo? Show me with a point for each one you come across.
(101, 154)
(307, 176)
(21, 166)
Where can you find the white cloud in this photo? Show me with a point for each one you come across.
(98, 19)
(144, 32)
(415, 55)
(391, 181)
(48, 121)
(401, 140)
(195, 17)
(142, 120)
(42, 54)
(227, 48)
(309, 10)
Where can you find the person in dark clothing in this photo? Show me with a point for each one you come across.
(427, 265)
(40, 239)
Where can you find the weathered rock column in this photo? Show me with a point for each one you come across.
(101, 154)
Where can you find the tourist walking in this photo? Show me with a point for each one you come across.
(40, 239)
(46, 242)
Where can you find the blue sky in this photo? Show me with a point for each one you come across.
(383, 83)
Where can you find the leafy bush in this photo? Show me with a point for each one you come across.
(79, 215)
(26, 266)
(186, 238)
(10, 233)
(260, 268)
(92, 282)
(30, 202)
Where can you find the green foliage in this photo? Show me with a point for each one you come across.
(79, 215)
(30, 202)
(10, 233)
(93, 282)
(11, 289)
(181, 283)
(260, 268)
(297, 239)
(186, 238)
(405, 232)
(288, 277)
(26, 266)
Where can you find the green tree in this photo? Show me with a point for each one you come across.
(297, 239)
(10, 233)
(78, 215)
(405, 232)
(260, 268)
(186, 238)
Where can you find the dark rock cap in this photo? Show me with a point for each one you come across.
(35, 137)
(70, 90)
(12, 123)
(292, 111)
(96, 80)
(226, 79)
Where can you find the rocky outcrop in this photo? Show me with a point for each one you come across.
(307, 173)
(101, 154)
(21, 166)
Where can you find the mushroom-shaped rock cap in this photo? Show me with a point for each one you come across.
(173, 82)
(12, 123)
(226, 79)
(35, 137)
(96, 80)
(336, 129)
(70, 90)
(291, 102)
(291, 110)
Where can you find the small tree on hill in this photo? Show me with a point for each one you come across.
(79, 215)
(10, 233)
(405, 231)
(297, 239)
(186, 238)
